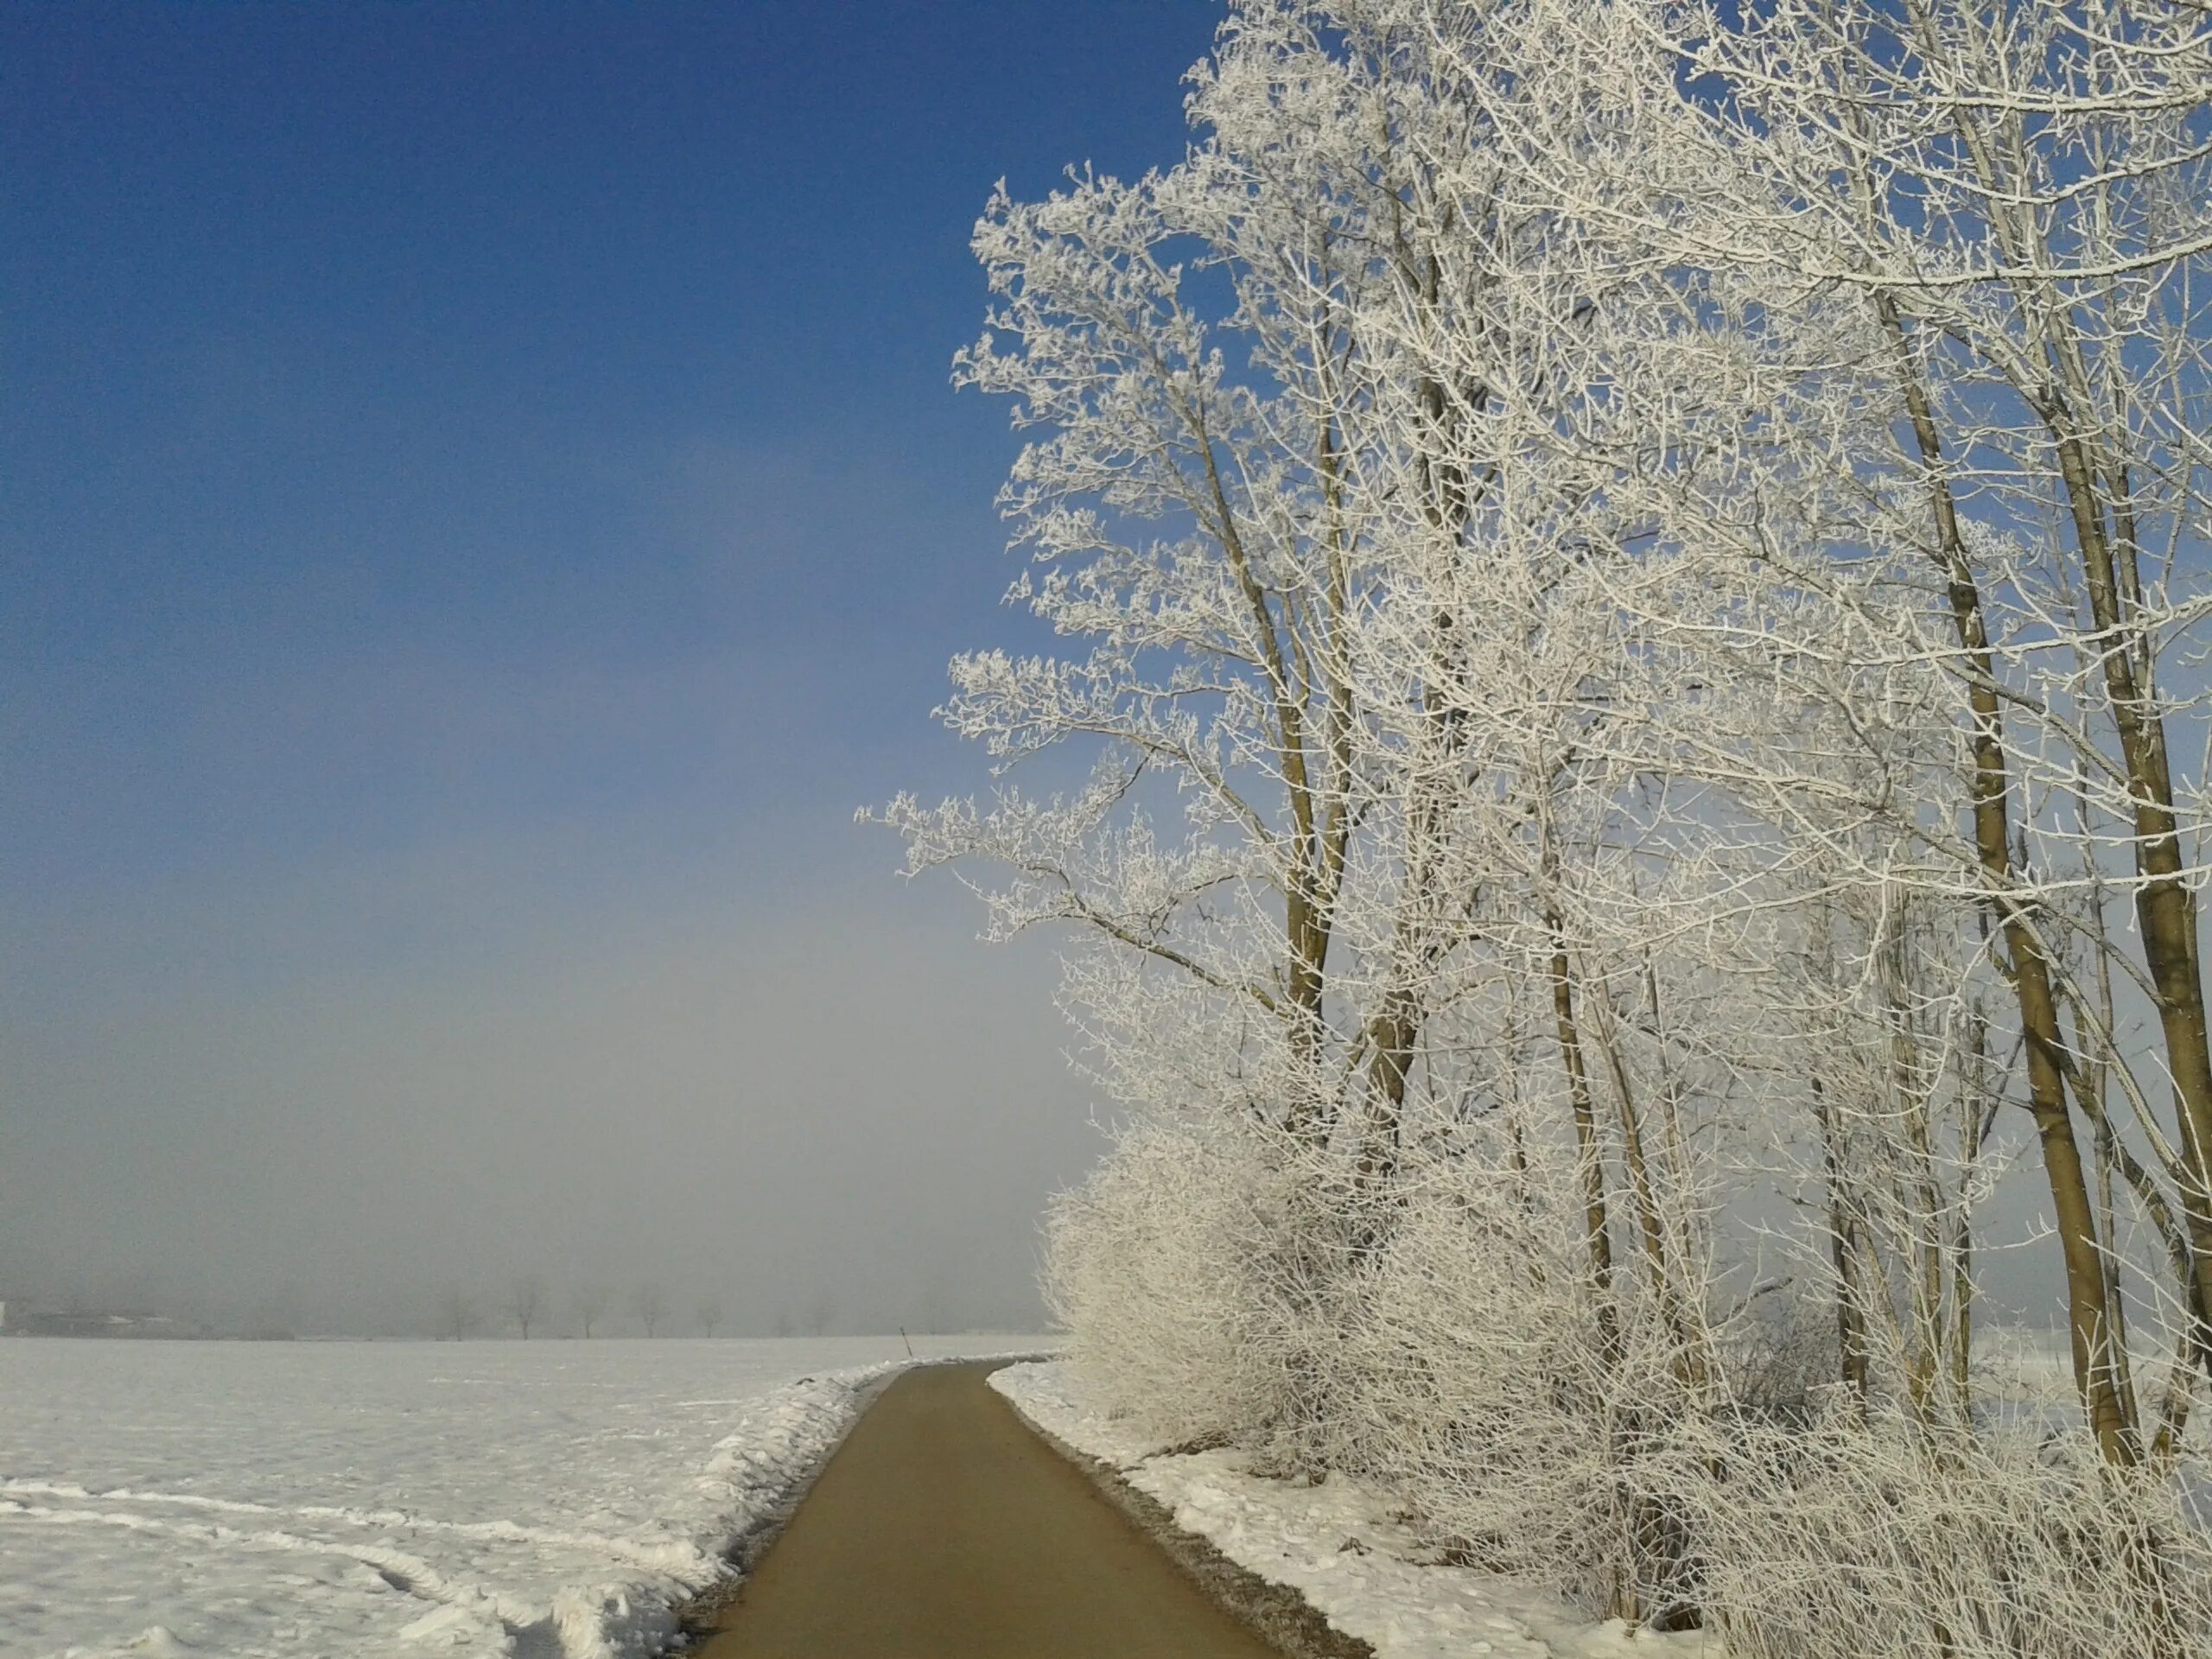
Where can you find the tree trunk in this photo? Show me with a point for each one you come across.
(1589, 1157)
(2089, 1334)
(2166, 912)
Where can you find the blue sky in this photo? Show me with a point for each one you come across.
(347, 344)
(480, 504)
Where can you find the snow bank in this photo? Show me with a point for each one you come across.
(775, 1447)
(1345, 1547)
(548, 1500)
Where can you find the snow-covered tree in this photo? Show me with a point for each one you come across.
(458, 1315)
(591, 1303)
(1634, 574)
(525, 1301)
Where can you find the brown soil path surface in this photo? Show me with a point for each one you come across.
(944, 1527)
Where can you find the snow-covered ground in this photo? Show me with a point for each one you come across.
(544, 1499)
(1338, 1545)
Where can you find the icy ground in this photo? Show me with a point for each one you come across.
(548, 1500)
(1338, 1546)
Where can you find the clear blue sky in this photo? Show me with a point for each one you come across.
(478, 483)
(350, 344)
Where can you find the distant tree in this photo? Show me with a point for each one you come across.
(820, 1310)
(525, 1301)
(277, 1315)
(710, 1314)
(457, 1315)
(650, 1306)
(591, 1302)
(783, 1321)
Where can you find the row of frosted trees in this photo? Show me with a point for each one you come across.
(1629, 576)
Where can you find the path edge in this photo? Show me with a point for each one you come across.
(1277, 1612)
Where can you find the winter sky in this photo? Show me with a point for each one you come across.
(481, 505)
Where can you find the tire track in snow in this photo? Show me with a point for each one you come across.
(410, 1575)
(403, 1571)
(678, 1558)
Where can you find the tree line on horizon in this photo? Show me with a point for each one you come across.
(527, 1303)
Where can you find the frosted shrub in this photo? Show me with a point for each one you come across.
(1781, 1358)
(1152, 1269)
(1849, 1538)
(1210, 1278)
(1482, 1388)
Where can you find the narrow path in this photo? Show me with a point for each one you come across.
(944, 1527)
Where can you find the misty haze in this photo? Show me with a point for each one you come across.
(1147, 827)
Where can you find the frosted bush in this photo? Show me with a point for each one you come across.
(1854, 1537)
(1461, 1364)
(1151, 1269)
(1481, 1386)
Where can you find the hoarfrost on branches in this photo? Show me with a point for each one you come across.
(1634, 583)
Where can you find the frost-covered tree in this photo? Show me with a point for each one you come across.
(591, 1303)
(1654, 552)
(457, 1317)
(1999, 212)
(1184, 348)
(525, 1302)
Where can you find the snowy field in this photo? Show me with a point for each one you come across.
(1342, 1547)
(545, 1499)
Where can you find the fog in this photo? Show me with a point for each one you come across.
(825, 1108)
(350, 963)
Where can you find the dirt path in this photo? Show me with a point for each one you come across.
(944, 1527)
